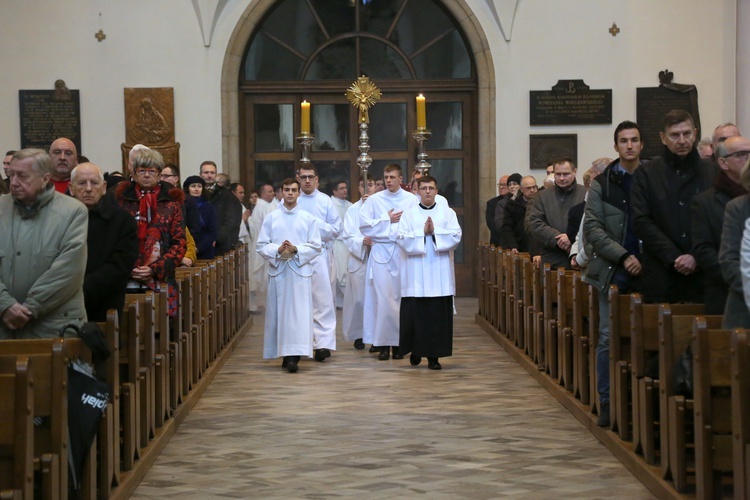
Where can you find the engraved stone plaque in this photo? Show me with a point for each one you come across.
(652, 103)
(570, 102)
(49, 114)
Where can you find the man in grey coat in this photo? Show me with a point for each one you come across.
(42, 252)
(547, 214)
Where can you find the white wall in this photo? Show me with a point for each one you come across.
(553, 40)
(159, 44)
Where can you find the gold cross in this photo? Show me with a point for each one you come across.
(100, 35)
(614, 30)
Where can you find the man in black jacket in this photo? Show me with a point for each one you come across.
(661, 195)
(707, 218)
(489, 215)
(513, 235)
(228, 210)
(112, 244)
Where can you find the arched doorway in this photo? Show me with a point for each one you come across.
(314, 49)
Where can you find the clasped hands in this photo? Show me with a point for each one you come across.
(16, 316)
(287, 250)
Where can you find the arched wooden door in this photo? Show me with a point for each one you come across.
(314, 49)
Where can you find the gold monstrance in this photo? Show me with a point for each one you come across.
(363, 94)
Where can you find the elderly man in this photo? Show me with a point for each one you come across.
(722, 133)
(161, 234)
(707, 218)
(64, 159)
(513, 234)
(660, 199)
(547, 215)
(112, 244)
(44, 252)
(489, 215)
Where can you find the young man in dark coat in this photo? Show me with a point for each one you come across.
(661, 195)
(112, 244)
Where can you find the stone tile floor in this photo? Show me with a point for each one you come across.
(354, 426)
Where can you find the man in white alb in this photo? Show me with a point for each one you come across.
(257, 265)
(289, 240)
(340, 253)
(324, 311)
(379, 218)
(358, 248)
(428, 234)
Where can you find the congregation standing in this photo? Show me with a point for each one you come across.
(673, 227)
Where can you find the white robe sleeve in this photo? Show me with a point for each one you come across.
(745, 262)
(376, 226)
(265, 247)
(352, 236)
(312, 247)
(330, 228)
(448, 232)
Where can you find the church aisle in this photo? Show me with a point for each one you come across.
(354, 426)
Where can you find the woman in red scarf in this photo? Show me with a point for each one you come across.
(157, 208)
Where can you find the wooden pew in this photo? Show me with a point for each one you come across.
(17, 429)
(580, 332)
(675, 335)
(619, 362)
(713, 410)
(523, 295)
(131, 383)
(645, 321)
(497, 299)
(484, 281)
(740, 352)
(536, 316)
(146, 365)
(108, 438)
(564, 326)
(549, 294)
(593, 343)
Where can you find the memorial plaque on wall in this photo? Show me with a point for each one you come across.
(652, 103)
(546, 148)
(570, 102)
(49, 114)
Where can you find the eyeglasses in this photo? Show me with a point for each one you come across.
(502, 185)
(307, 177)
(169, 175)
(738, 154)
(144, 171)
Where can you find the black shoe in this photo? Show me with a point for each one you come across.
(285, 361)
(291, 365)
(433, 364)
(358, 344)
(603, 420)
(396, 354)
(375, 348)
(414, 360)
(322, 354)
(385, 353)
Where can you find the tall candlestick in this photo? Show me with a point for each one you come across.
(421, 114)
(305, 119)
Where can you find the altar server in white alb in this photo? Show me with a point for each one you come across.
(428, 234)
(379, 218)
(289, 241)
(340, 253)
(321, 207)
(258, 267)
(358, 249)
